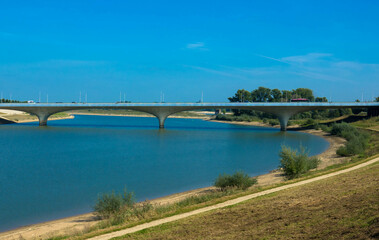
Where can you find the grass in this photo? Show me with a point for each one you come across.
(343, 207)
(370, 123)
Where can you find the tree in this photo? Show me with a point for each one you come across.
(261, 94)
(304, 93)
(286, 95)
(276, 95)
(321, 99)
(241, 95)
(377, 99)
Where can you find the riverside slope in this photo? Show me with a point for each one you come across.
(228, 203)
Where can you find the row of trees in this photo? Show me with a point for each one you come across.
(263, 94)
(3, 100)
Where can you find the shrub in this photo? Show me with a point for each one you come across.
(238, 180)
(357, 141)
(222, 117)
(273, 122)
(354, 146)
(296, 163)
(325, 128)
(342, 129)
(309, 122)
(110, 204)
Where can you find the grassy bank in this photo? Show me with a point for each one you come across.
(343, 207)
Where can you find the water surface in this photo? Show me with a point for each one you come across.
(58, 171)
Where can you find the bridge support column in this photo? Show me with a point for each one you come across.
(161, 119)
(160, 112)
(42, 117)
(283, 119)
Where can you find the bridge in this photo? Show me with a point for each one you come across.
(162, 110)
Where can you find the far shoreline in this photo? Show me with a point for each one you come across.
(82, 221)
(138, 115)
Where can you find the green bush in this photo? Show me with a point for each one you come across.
(357, 140)
(309, 122)
(238, 180)
(273, 122)
(111, 204)
(355, 145)
(339, 129)
(325, 128)
(296, 163)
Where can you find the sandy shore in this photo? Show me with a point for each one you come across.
(79, 223)
(257, 124)
(140, 115)
(50, 119)
(35, 120)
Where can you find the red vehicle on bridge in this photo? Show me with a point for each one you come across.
(299, 100)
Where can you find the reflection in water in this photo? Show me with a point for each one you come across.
(59, 170)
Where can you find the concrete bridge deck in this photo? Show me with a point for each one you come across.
(162, 110)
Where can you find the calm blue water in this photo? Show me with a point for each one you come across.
(58, 171)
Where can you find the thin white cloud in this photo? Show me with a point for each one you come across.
(321, 66)
(196, 45)
(271, 58)
(306, 68)
(308, 58)
(225, 73)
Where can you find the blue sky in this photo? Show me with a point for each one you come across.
(181, 48)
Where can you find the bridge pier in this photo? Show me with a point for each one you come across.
(159, 112)
(42, 117)
(283, 119)
(161, 120)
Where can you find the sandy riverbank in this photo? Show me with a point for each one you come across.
(140, 115)
(50, 119)
(78, 223)
(257, 124)
(14, 117)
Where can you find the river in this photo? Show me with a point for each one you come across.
(59, 170)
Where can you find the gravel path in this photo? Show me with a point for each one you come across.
(227, 203)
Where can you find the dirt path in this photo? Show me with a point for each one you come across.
(227, 203)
